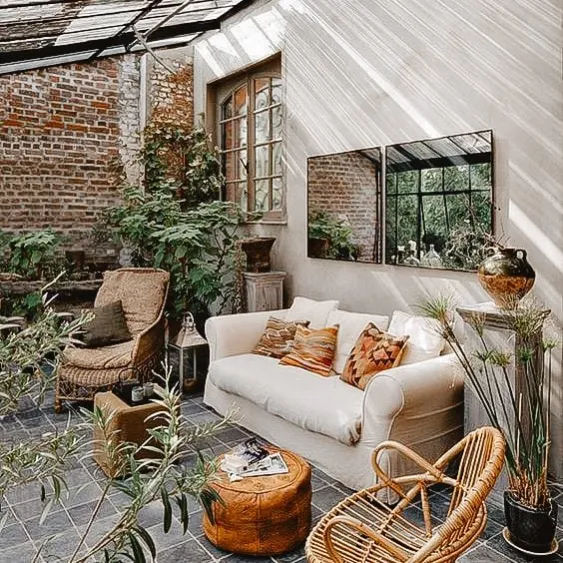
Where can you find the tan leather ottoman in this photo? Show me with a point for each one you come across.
(129, 424)
(267, 515)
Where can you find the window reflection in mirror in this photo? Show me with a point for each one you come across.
(439, 201)
(344, 206)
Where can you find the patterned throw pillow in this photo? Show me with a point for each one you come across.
(313, 350)
(277, 339)
(375, 351)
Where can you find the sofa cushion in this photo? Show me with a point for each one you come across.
(107, 327)
(108, 357)
(374, 352)
(313, 350)
(316, 312)
(425, 341)
(351, 326)
(277, 339)
(325, 405)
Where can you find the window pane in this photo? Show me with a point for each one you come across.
(276, 91)
(407, 220)
(480, 176)
(227, 109)
(431, 180)
(227, 135)
(241, 164)
(262, 127)
(407, 182)
(229, 166)
(277, 121)
(434, 226)
(262, 197)
(456, 178)
(277, 191)
(261, 157)
(390, 240)
(240, 101)
(458, 211)
(240, 131)
(482, 207)
(277, 158)
(262, 93)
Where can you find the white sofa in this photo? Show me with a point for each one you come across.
(332, 424)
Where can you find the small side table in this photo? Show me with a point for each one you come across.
(264, 291)
(129, 423)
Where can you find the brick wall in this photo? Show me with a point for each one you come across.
(67, 134)
(345, 186)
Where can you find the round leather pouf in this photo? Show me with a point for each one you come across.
(267, 515)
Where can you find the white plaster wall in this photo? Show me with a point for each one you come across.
(359, 73)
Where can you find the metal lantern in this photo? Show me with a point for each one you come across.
(182, 354)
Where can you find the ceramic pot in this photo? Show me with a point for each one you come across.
(507, 276)
(257, 252)
(530, 529)
(317, 247)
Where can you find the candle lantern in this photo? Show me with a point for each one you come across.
(182, 355)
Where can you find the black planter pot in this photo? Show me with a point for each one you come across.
(530, 529)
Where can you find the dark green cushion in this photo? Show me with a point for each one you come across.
(107, 327)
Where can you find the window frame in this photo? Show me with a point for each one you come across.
(219, 92)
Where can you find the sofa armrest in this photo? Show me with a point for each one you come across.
(149, 341)
(419, 405)
(231, 335)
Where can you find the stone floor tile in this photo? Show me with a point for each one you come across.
(327, 497)
(482, 554)
(13, 535)
(54, 523)
(82, 513)
(188, 552)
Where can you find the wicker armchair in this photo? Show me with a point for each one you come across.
(85, 371)
(362, 528)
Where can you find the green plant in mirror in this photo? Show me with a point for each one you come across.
(337, 232)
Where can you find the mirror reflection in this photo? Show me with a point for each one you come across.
(344, 206)
(439, 201)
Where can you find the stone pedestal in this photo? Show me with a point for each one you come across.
(497, 334)
(263, 291)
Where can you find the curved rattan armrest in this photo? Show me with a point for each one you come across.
(365, 530)
(148, 339)
(410, 454)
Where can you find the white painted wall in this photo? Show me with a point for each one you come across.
(359, 73)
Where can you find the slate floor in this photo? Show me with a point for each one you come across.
(23, 535)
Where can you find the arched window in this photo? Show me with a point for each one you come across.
(250, 129)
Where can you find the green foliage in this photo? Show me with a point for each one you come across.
(337, 232)
(178, 225)
(33, 255)
(29, 306)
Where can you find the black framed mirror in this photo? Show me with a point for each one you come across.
(439, 201)
(344, 195)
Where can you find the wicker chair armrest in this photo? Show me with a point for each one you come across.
(385, 479)
(363, 529)
(148, 340)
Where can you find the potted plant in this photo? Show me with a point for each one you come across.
(530, 511)
(257, 250)
(330, 237)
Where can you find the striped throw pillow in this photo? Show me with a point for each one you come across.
(374, 352)
(277, 339)
(313, 350)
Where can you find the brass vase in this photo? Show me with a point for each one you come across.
(507, 276)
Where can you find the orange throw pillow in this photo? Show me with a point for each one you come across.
(313, 350)
(375, 351)
(277, 339)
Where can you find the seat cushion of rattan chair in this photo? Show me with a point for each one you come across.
(106, 357)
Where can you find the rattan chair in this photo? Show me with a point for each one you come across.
(85, 371)
(363, 529)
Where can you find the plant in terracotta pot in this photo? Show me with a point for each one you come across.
(530, 511)
(257, 250)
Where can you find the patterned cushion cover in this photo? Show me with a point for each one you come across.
(107, 327)
(375, 351)
(313, 350)
(277, 339)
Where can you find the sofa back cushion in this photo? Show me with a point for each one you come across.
(351, 325)
(374, 352)
(316, 312)
(425, 341)
(313, 350)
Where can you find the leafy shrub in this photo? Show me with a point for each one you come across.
(337, 232)
(33, 255)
